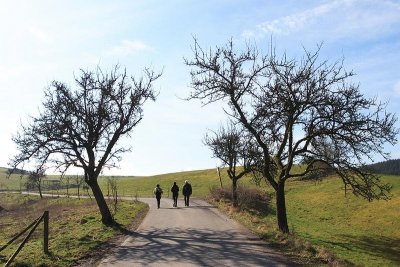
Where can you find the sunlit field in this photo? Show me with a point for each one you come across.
(362, 232)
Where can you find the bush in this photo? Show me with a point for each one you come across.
(248, 198)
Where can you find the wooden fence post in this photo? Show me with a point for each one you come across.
(46, 232)
(219, 175)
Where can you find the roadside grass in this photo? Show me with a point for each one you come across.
(75, 228)
(327, 226)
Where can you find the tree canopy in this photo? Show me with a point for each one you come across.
(81, 127)
(304, 110)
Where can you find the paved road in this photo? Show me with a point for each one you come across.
(198, 235)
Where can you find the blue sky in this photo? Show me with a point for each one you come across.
(42, 41)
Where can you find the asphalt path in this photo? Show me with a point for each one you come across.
(198, 235)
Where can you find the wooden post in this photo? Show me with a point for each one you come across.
(219, 175)
(46, 232)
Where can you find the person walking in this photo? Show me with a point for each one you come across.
(187, 191)
(158, 192)
(175, 193)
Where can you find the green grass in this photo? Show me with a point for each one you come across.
(201, 181)
(365, 233)
(12, 183)
(75, 228)
(141, 186)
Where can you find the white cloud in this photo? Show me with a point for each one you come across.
(128, 47)
(340, 18)
(294, 22)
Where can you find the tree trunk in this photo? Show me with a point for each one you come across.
(234, 193)
(281, 208)
(106, 217)
(40, 189)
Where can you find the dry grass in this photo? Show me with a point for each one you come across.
(251, 199)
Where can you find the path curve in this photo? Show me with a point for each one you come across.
(198, 235)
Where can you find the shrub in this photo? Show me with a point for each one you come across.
(248, 198)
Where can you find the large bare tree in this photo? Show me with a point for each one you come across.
(296, 110)
(81, 127)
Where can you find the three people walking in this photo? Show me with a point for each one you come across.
(186, 190)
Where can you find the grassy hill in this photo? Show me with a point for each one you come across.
(365, 233)
(12, 183)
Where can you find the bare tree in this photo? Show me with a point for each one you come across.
(112, 184)
(236, 152)
(79, 179)
(65, 179)
(35, 180)
(294, 110)
(82, 127)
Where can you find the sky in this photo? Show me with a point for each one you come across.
(42, 41)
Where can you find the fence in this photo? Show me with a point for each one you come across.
(33, 225)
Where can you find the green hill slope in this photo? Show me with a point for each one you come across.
(363, 232)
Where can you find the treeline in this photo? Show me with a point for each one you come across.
(16, 171)
(390, 167)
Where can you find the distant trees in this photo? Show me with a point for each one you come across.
(293, 110)
(230, 145)
(81, 127)
(390, 167)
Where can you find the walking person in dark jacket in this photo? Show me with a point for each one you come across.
(158, 192)
(187, 191)
(175, 192)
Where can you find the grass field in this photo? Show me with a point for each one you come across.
(75, 228)
(362, 232)
(141, 186)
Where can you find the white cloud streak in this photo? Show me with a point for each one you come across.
(297, 21)
(341, 18)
